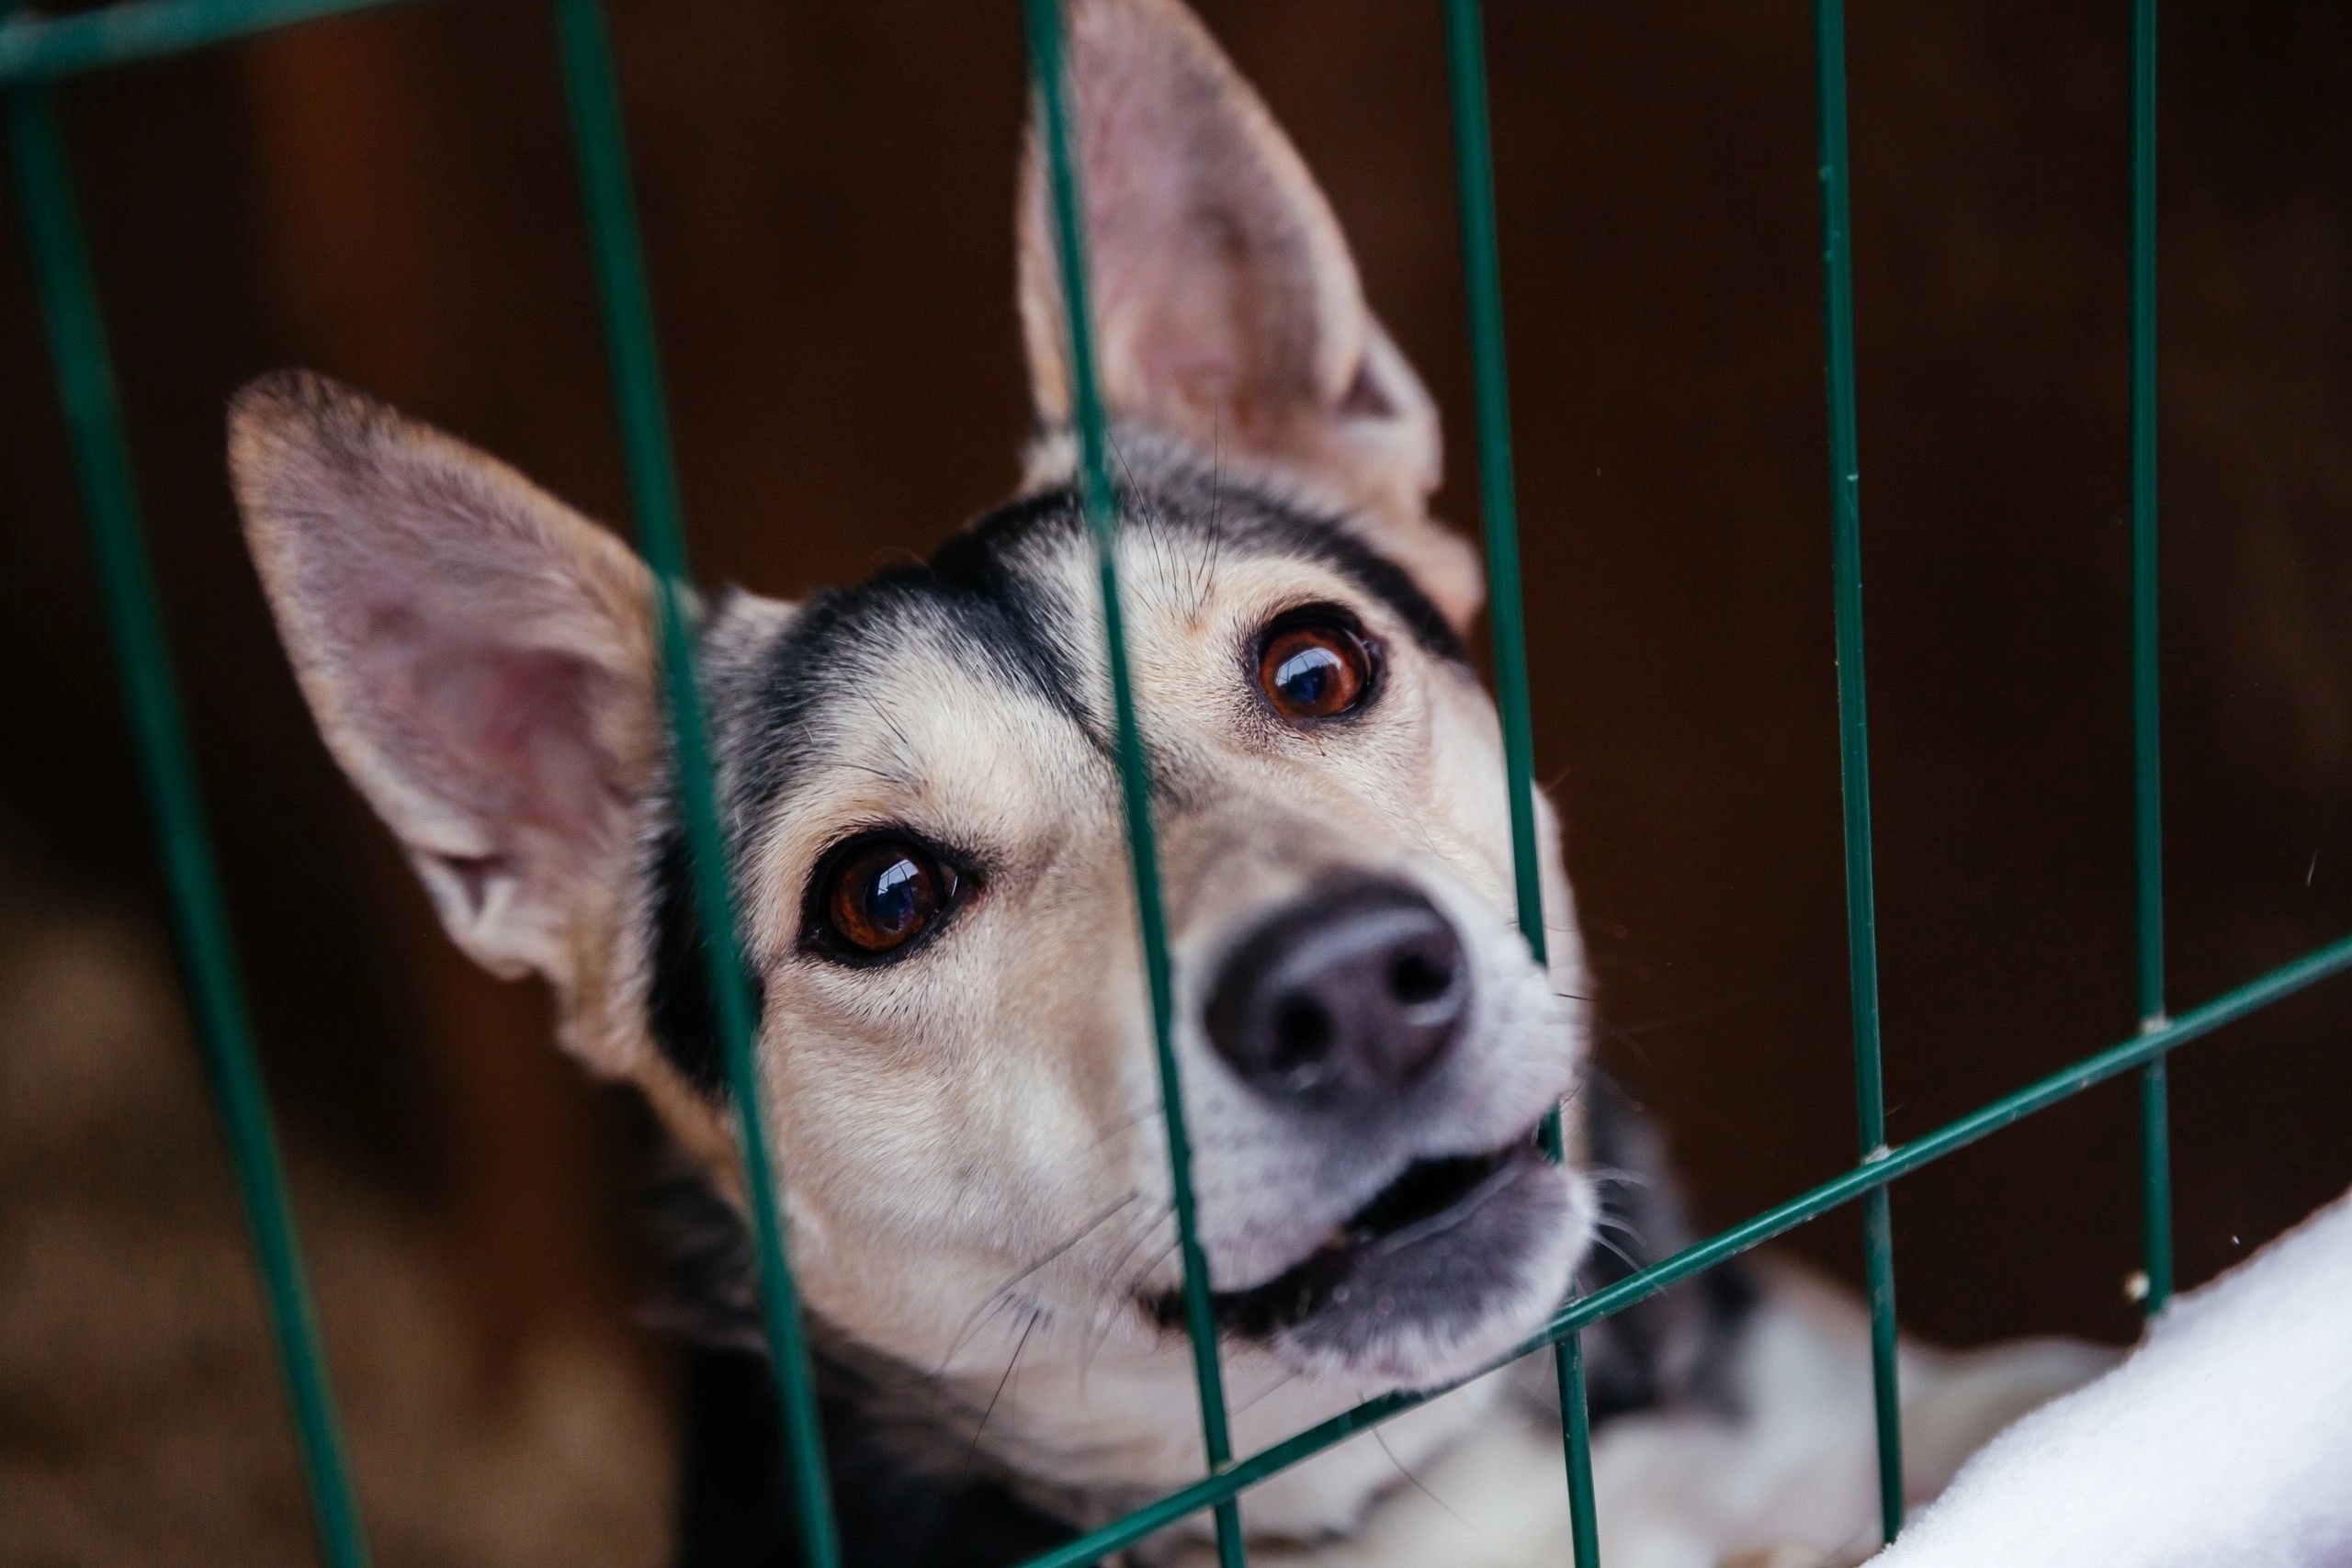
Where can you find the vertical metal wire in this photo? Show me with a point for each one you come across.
(1044, 20)
(2147, 752)
(86, 387)
(1853, 737)
(1482, 272)
(593, 97)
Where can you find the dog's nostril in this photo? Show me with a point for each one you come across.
(1419, 977)
(1302, 1033)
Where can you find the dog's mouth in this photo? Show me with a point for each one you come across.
(1428, 1199)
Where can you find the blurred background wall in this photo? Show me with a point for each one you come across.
(826, 193)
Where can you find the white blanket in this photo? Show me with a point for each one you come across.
(2225, 1441)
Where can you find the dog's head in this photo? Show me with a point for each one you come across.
(917, 777)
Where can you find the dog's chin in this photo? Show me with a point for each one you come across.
(1448, 1268)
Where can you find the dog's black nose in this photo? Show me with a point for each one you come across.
(1353, 990)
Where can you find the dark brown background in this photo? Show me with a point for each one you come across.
(826, 193)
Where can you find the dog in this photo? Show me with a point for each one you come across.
(919, 792)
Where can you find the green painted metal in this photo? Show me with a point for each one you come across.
(1481, 275)
(591, 92)
(1045, 37)
(1856, 1182)
(2147, 751)
(1853, 737)
(37, 49)
(1575, 1435)
(34, 49)
(85, 388)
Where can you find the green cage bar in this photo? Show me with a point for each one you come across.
(1051, 84)
(591, 92)
(2147, 751)
(1482, 275)
(68, 298)
(1853, 737)
(43, 48)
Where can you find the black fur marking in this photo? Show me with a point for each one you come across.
(736, 1509)
(735, 1506)
(967, 593)
(1678, 1346)
(678, 999)
(1384, 581)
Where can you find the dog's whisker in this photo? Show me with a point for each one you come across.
(1272, 1389)
(1693, 1014)
(1126, 1124)
(1143, 1233)
(1116, 1299)
(1624, 1256)
(1022, 1344)
(1003, 1291)
(1108, 1303)
(1381, 1438)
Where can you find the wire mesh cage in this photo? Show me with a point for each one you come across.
(36, 53)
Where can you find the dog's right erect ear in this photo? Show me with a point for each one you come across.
(1227, 307)
(480, 658)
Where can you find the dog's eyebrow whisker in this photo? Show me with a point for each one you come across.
(885, 774)
(907, 745)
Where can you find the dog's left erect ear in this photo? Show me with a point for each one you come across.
(480, 658)
(1227, 306)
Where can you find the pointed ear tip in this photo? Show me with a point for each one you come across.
(298, 408)
(284, 395)
(283, 421)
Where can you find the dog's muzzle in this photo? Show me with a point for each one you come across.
(1348, 1013)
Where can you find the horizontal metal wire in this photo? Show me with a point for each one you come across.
(37, 49)
(1869, 1176)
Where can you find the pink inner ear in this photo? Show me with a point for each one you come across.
(506, 735)
(522, 718)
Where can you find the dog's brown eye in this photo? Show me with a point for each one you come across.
(882, 895)
(1314, 670)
